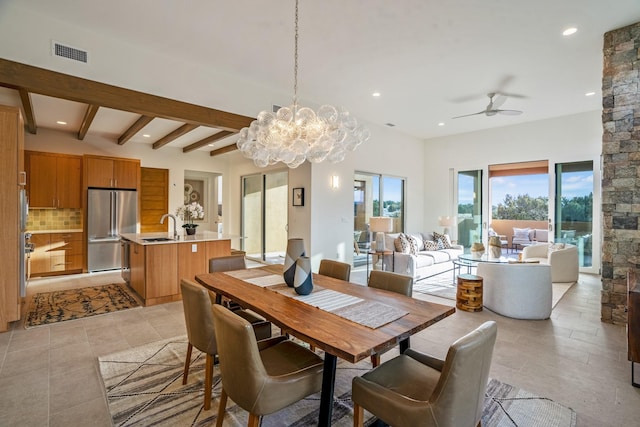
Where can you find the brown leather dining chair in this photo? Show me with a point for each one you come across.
(261, 377)
(335, 269)
(200, 332)
(418, 390)
(238, 262)
(393, 282)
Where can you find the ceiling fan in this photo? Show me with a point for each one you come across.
(493, 107)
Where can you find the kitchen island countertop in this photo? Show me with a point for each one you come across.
(203, 236)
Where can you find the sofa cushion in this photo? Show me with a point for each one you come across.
(390, 240)
(444, 238)
(424, 260)
(418, 239)
(437, 256)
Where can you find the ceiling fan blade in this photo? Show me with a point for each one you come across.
(467, 115)
(509, 112)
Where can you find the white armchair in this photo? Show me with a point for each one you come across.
(520, 291)
(563, 262)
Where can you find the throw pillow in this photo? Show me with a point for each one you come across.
(414, 244)
(430, 245)
(521, 233)
(402, 244)
(444, 238)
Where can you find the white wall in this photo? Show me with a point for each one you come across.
(565, 139)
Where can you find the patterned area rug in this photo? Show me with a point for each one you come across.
(144, 387)
(59, 306)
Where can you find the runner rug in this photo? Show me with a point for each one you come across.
(144, 387)
(60, 306)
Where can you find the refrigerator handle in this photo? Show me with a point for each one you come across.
(114, 210)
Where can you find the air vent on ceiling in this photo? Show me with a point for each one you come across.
(65, 51)
(390, 125)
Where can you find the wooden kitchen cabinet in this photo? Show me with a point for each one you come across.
(57, 253)
(111, 172)
(11, 180)
(53, 180)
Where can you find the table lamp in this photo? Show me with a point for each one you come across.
(381, 225)
(446, 222)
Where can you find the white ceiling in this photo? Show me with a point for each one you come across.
(430, 60)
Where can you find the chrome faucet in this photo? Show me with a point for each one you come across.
(175, 230)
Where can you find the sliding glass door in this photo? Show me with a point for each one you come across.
(469, 208)
(264, 216)
(574, 208)
(375, 195)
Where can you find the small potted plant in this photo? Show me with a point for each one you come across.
(188, 213)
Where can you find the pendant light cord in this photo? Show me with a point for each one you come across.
(295, 62)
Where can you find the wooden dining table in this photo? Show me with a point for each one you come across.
(335, 335)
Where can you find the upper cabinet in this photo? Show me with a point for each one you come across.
(53, 180)
(112, 172)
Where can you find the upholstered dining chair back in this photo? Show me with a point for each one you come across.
(261, 377)
(394, 282)
(335, 269)
(200, 332)
(227, 263)
(198, 317)
(415, 389)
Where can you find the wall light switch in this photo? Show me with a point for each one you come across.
(194, 247)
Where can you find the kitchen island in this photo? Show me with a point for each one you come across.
(157, 262)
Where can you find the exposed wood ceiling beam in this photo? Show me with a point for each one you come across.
(208, 140)
(226, 149)
(50, 83)
(186, 128)
(89, 115)
(135, 128)
(27, 107)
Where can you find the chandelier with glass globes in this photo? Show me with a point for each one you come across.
(294, 134)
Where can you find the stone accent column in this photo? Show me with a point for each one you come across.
(621, 167)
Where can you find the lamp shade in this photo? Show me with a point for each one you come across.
(382, 224)
(446, 221)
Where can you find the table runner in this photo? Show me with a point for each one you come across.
(367, 313)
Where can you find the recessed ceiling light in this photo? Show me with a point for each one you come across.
(60, 122)
(375, 94)
(589, 94)
(146, 135)
(210, 145)
(441, 124)
(569, 31)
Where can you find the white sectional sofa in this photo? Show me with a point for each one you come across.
(425, 263)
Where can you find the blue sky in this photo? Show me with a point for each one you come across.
(574, 184)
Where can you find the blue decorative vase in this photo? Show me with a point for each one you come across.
(295, 249)
(303, 279)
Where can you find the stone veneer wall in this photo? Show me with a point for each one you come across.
(621, 167)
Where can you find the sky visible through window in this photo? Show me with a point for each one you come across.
(574, 184)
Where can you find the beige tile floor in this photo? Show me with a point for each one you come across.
(49, 375)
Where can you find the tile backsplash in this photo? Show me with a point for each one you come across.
(54, 219)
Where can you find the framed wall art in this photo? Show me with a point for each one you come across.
(298, 196)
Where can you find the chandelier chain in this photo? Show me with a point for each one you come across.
(295, 61)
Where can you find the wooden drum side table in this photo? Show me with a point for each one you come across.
(469, 293)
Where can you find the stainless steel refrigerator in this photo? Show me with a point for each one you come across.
(109, 213)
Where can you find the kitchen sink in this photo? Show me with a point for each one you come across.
(157, 239)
